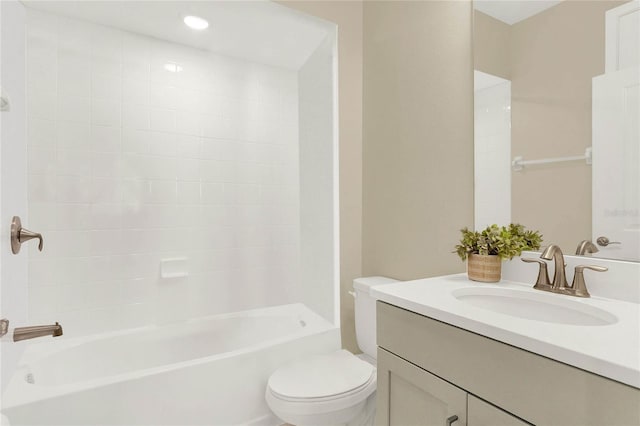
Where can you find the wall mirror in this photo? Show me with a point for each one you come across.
(557, 139)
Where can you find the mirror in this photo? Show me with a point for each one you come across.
(557, 140)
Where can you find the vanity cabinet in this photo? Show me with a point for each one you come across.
(413, 396)
(480, 413)
(409, 395)
(429, 371)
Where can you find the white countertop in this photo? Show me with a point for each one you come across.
(611, 351)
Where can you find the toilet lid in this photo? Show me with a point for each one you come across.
(321, 376)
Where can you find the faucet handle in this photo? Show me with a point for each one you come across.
(26, 235)
(543, 276)
(581, 268)
(578, 286)
(20, 235)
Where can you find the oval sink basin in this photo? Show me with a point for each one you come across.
(535, 306)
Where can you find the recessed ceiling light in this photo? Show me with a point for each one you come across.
(172, 67)
(196, 23)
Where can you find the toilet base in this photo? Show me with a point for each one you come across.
(368, 414)
(362, 414)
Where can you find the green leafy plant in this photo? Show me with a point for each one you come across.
(505, 242)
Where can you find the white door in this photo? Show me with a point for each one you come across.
(616, 163)
(622, 37)
(13, 181)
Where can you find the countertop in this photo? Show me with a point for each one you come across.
(611, 350)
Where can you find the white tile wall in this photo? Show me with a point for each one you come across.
(13, 182)
(129, 163)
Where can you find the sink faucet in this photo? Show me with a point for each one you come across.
(586, 246)
(578, 287)
(559, 276)
(24, 333)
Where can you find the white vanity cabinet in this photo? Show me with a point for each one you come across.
(430, 371)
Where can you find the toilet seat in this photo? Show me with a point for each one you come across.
(336, 382)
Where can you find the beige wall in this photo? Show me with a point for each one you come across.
(418, 127)
(418, 136)
(348, 16)
(552, 58)
(491, 45)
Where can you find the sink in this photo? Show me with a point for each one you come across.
(532, 305)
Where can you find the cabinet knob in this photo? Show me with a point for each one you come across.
(451, 420)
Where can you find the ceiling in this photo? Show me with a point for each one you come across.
(513, 11)
(259, 31)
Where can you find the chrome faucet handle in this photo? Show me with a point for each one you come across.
(578, 286)
(21, 235)
(543, 275)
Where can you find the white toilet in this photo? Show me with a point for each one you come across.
(337, 388)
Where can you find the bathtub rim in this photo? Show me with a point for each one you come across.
(20, 392)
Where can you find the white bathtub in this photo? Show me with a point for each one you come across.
(209, 371)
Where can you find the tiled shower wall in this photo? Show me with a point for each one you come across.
(141, 150)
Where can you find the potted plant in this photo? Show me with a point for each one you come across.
(485, 250)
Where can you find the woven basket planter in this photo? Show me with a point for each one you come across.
(486, 269)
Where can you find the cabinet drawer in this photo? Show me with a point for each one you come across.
(537, 389)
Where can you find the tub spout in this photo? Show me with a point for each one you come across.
(24, 333)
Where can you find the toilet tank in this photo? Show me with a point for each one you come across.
(365, 312)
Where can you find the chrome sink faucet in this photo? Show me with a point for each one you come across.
(559, 275)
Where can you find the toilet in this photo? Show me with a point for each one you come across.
(337, 388)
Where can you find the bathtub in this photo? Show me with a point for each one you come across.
(206, 371)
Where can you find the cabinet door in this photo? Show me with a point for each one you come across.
(410, 396)
(481, 413)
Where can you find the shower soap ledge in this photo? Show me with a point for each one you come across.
(175, 267)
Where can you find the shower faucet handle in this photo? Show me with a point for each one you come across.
(21, 235)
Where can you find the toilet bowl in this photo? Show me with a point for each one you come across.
(327, 389)
(336, 388)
